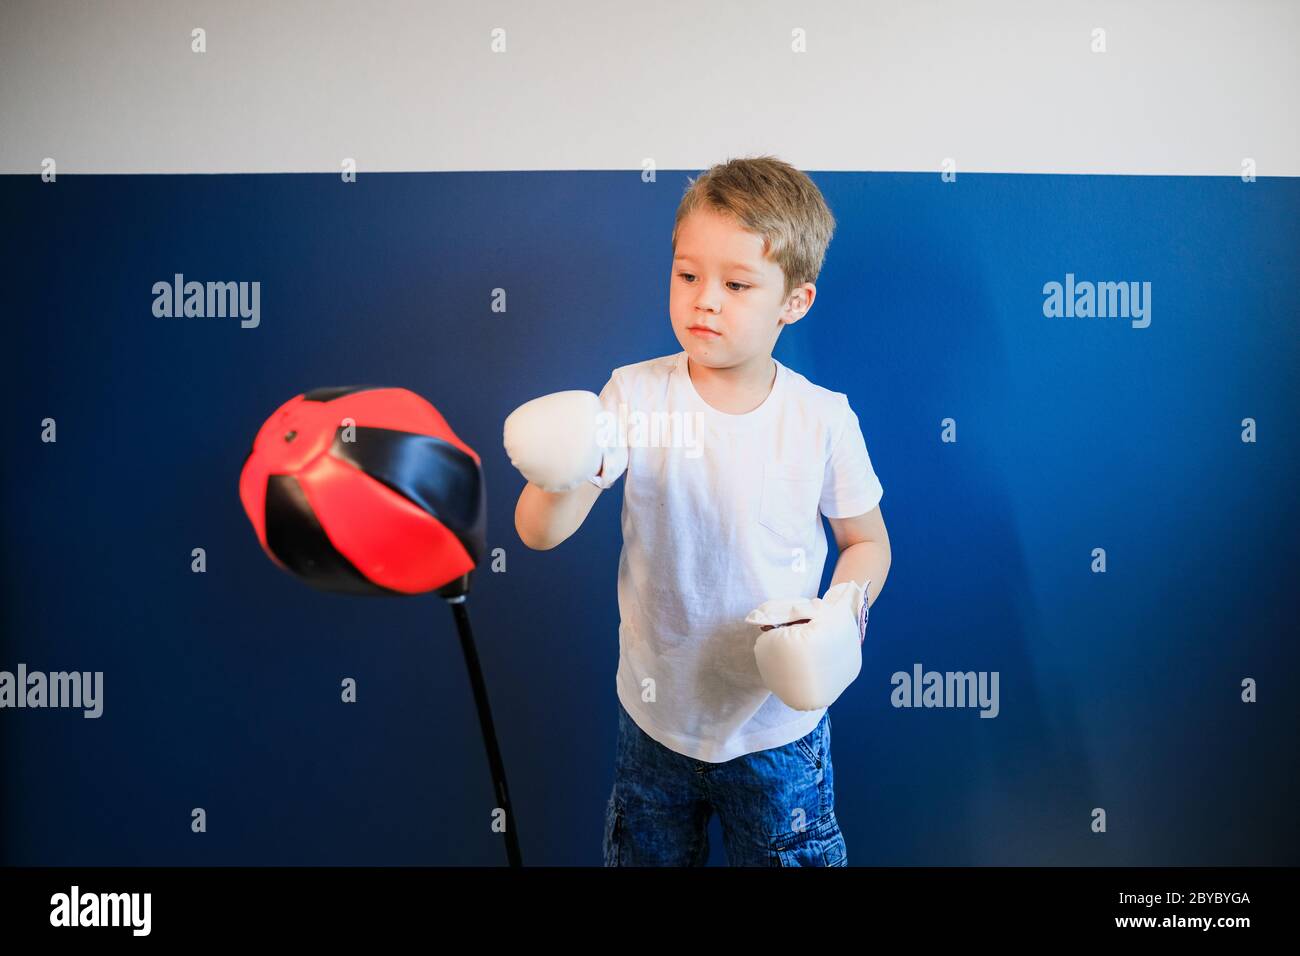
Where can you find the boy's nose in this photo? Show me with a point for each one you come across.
(709, 299)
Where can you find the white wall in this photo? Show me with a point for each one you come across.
(1007, 86)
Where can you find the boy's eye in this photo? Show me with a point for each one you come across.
(689, 276)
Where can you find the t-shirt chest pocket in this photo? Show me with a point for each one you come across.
(789, 499)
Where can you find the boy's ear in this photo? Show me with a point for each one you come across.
(798, 303)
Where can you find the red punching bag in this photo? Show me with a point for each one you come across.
(366, 490)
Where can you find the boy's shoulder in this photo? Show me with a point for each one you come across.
(829, 403)
(821, 392)
(661, 365)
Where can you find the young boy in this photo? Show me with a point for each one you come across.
(727, 659)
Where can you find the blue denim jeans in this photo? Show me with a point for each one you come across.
(776, 806)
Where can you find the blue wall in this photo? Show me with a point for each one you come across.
(1118, 690)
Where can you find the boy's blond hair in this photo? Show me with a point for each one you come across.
(773, 199)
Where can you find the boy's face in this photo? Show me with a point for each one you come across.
(722, 282)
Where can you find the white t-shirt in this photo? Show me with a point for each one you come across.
(720, 513)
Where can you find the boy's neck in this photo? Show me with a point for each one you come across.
(735, 390)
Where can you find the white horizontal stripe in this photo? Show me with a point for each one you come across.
(1007, 86)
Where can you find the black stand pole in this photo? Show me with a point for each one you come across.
(485, 723)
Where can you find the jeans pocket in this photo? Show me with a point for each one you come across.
(821, 844)
(813, 744)
(809, 750)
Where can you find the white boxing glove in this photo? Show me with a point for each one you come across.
(552, 440)
(810, 649)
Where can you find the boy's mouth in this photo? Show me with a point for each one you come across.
(702, 332)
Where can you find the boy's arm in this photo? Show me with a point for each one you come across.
(863, 544)
(544, 519)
